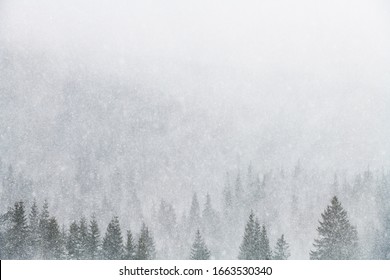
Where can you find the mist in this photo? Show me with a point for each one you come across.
(100, 99)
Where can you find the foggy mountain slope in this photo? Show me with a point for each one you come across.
(111, 106)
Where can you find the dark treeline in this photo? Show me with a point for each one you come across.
(39, 236)
(259, 216)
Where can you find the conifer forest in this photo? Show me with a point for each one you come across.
(194, 130)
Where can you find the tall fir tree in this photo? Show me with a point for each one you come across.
(112, 248)
(44, 231)
(249, 245)
(194, 215)
(146, 249)
(17, 236)
(282, 249)
(83, 239)
(338, 239)
(199, 250)
(34, 238)
(210, 219)
(54, 239)
(265, 249)
(72, 242)
(130, 247)
(93, 248)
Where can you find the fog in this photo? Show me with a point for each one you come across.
(166, 97)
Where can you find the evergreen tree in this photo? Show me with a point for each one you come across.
(146, 249)
(199, 249)
(194, 216)
(93, 240)
(72, 243)
(282, 251)
(265, 250)
(44, 231)
(249, 245)
(210, 219)
(338, 239)
(17, 235)
(238, 192)
(166, 220)
(34, 238)
(83, 239)
(9, 186)
(54, 241)
(166, 230)
(113, 241)
(130, 248)
(5, 226)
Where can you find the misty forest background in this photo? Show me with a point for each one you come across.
(194, 130)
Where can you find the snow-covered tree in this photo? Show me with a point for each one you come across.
(146, 248)
(83, 239)
(250, 240)
(194, 215)
(130, 247)
(93, 248)
(44, 231)
(113, 241)
(34, 238)
(265, 252)
(17, 235)
(72, 243)
(338, 239)
(199, 250)
(282, 249)
(54, 241)
(210, 219)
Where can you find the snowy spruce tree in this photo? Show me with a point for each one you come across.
(194, 215)
(112, 248)
(338, 239)
(265, 252)
(83, 239)
(72, 242)
(255, 243)
(130, 248)
(199, 249)
(282, 249)
(146, 249)
(43, 227)
(250, 244)
(56, 248)
(93, 248)
(33, 226)
(17, 235)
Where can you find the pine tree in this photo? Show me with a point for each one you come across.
(130, 248)
(93, 240)
(34, 238)
(146, 249)
(54, 240)
(199, 249)
(338, 239)
(282, 251)
(194, 216)
(72, 243)
(9, 186)
(166, 220)
(44, 231)
(249, 244)
(265, 250)
(83, 239)
(113, 241)
(210, 219)
(5, 226)
(17, 236)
